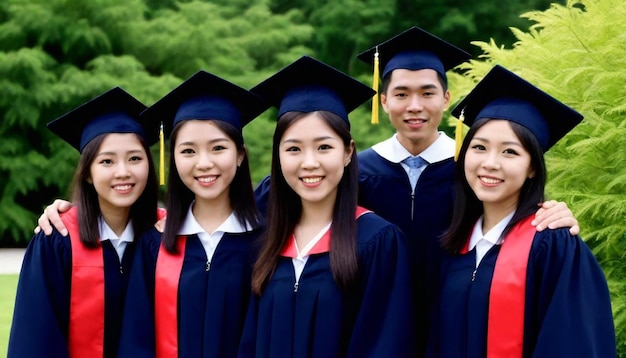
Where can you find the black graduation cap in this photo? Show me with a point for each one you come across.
(204, 96)
(504, 95)
(415, 49)
(308, 85)
(114, 111)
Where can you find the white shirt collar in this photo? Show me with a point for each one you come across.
(307, 248)
(493, 235)
(391, 149)
(191, 226)
(119, 243)
(106, 233)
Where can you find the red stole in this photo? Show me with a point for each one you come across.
(167, 276)
(323, 245)
(86, 325)
(507, 297)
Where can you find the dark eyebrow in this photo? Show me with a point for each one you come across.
(212, 141)
(506, 143)
(318, 139)
(128, 152)
(424, 87)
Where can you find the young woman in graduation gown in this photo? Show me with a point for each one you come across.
(508, 290)
(71, 290)
(332, 279)
(190, 286)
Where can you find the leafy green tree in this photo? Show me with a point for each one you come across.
(576, 53)
(57, 54)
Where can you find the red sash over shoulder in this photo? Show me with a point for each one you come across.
(86, 325)
(167, 277)
(507, 298)
(323, 245)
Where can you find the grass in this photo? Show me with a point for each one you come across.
(8, 285)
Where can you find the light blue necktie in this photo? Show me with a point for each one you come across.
(416, 165)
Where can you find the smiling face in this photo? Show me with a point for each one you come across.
(415, 102)
(312, 159)
(119, 171)
(497, 166)
(206, 159)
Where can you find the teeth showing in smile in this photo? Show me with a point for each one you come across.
(415, 121)
(312, 180)
(207, 179)
(122, 187)
(490, 180)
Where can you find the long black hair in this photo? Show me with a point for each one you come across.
(179, 196)
(467, 207)
(285, 210)
(84, 195)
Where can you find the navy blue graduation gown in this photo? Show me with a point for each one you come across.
(41, 316)
(567, 309)
(318, 320)
(211, 304)
(423, 216)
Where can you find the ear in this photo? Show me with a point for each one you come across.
(383, 102)
(446, 99)
(531, 173)
(348, 155)
(241, 156)
(89, 180)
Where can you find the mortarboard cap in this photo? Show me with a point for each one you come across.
(308, 85)
(114, 111)
(205, 96)
(415, 49)
(501, 94)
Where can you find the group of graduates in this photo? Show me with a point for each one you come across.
(414, 247)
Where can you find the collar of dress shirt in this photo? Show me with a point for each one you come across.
(493, 235)
(191, 226)
(106, 233)
(391, 149)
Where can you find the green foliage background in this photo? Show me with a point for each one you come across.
(56, 54)
(576, 53)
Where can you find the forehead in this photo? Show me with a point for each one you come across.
(413, 78)
(121, 142)
(310, 126)
(496, 129)
(195, 129)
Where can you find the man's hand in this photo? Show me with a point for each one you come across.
(555, 214)
(51, 217)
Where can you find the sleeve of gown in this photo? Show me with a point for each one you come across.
(138, 329)
(247, 346)
(567, 299)
(262, 194)
(384, 326)
(41, 313)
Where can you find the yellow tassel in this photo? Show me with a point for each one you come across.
(458, 135)
(375, 88)
(161, 156)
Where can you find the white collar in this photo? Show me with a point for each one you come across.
(493, 235)
(106, 233)
(441, 149)
(191, 226)
(307, 248)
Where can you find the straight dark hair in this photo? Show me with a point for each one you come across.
(143, 212)
(285, 210)
(179, 196)
(467, 207)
